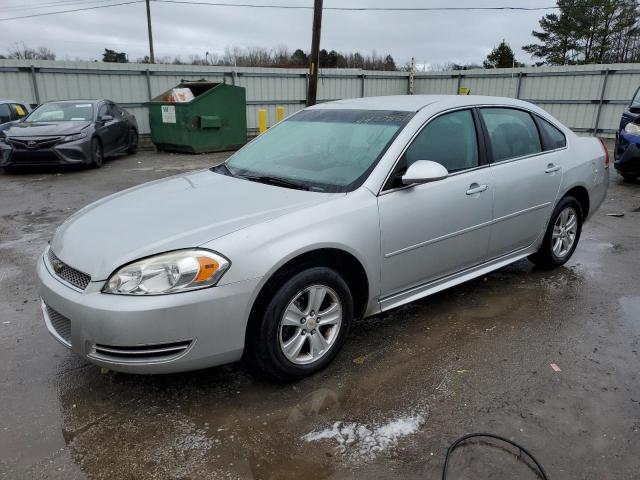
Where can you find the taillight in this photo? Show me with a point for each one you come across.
(606, 153)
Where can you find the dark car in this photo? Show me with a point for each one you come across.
(70, 132)
(627, 149)
(12, 111)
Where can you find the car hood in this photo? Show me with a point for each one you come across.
(45, 129)
(178, 212)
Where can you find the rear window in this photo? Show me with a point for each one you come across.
(552, 138)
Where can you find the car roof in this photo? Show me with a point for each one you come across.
(8, 100)
(86, 100)
(413, 103)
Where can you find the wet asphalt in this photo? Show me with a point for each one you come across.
(408, 382)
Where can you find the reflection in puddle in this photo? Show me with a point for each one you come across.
(361, 441)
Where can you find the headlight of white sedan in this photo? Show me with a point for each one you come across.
(171, 272)
(632, 128)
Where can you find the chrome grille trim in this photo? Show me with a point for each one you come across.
(141, 353)
(59, 324)
(69, 274)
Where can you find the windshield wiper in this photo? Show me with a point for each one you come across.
(281, 182)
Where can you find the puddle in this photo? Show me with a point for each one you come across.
(360, 441)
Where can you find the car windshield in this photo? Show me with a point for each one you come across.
(62, 112)
(322, 150)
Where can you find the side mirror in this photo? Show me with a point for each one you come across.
(424, 171)
(106, 118)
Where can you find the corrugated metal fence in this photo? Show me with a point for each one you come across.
(587, 98)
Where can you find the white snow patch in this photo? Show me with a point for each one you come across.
(359, 440)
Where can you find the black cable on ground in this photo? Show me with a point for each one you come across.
(464, 438)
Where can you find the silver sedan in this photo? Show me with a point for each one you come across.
(341, 211)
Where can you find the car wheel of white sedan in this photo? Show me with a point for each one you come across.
(305, 324)
(562, 235)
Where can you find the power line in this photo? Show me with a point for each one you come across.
(70, 11)
(353, 9)
(284, 7)
(50, 4)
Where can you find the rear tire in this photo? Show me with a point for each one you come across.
(133, 142)
(304, 324)
(562, 235)
(97, 153)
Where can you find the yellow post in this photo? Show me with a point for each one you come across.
(262, 120)
(279, 114)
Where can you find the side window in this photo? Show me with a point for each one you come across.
(19, 111)
(552, 138)
(5, 113)
(103, 110)
(512, 133)
(449, 139)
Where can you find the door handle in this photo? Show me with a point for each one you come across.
(475, 188)
(552, 168)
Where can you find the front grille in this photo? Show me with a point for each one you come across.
(60, 323)
(67, 273)
(33, 143)
(141, 353)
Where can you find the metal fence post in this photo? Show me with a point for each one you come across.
(519, 84)
(148, 75)
(34, 83)
(459, 83)
(362, 85)
(602, 92)
(234, 76)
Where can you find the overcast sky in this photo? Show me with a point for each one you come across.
(430, 37)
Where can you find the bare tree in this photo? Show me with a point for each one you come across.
(20, 51)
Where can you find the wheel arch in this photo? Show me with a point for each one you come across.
(581, 194)
(344, 262)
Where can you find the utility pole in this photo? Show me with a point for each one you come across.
(151, 56)
(314, 58)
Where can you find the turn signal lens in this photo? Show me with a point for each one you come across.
(171, 272)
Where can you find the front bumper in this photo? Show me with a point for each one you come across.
(155, 334)
(69, 153)
(627, 154)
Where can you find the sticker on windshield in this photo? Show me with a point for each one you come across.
(77, 119)
(83, 105)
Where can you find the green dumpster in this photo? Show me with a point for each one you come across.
(215, 119)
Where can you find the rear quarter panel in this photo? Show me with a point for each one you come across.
(584, 166)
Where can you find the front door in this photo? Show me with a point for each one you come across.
(435, 229)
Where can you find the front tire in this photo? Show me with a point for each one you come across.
(562, 235)
(304, 325)
(97, 153)
(629, 178)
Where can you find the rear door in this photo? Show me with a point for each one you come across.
(526, 173)
(122, 126)
(107, 130)
(431, 230)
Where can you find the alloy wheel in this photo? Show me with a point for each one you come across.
(565, 230)
(310, 324)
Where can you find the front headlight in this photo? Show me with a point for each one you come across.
(171, 272)
(632, 128)
(73, 138)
